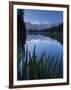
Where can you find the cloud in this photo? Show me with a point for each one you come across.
(38, 23)
(35, 22)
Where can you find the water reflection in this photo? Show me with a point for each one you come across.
(47, 45)
(44, 44)
(38, 49)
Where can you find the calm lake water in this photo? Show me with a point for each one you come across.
(44, 44)
(48, 46)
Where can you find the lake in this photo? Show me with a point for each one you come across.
(45, 46)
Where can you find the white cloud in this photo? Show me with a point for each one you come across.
(35, 22)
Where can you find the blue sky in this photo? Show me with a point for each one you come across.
(43, 16)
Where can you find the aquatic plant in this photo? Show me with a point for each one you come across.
(41, 68)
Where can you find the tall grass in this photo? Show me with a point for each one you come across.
(41, 68)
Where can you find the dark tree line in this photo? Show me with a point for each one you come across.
(21, 29)
(58, 28)
(21, 38)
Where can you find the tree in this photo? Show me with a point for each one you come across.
(21, 37)
(21, 29)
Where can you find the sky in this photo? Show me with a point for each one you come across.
(43, 16)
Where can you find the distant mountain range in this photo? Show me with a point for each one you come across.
(39, 27)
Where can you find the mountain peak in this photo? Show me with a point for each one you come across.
(37, 26)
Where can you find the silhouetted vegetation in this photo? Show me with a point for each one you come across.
(21, 37)
(21, 29)
(41, 68)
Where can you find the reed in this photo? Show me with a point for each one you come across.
(41, 68)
